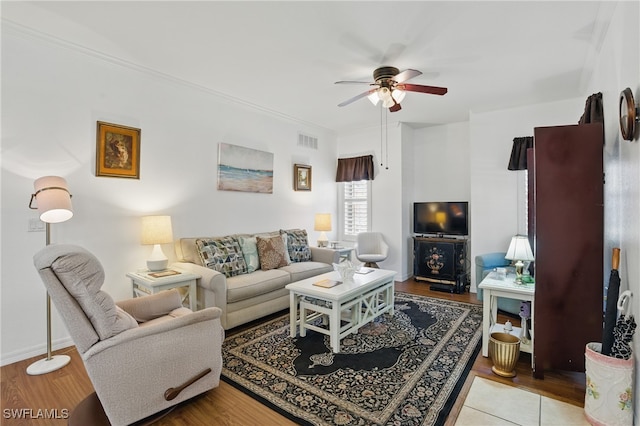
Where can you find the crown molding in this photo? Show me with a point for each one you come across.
(35, 35)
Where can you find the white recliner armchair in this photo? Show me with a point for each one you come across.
(143, 355)
(371, 248)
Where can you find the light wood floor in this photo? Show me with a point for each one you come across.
(63, 389)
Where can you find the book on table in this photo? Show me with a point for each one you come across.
(327, 283)
(167, 273)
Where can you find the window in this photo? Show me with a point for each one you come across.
(355, 208)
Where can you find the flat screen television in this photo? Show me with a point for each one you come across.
(441, 218)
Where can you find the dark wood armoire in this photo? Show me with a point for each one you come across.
(566, 223)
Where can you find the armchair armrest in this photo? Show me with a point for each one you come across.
(153, 306)
(179, 349)
(136, 335)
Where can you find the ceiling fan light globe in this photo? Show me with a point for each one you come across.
(384, 94)
(398, 95)
(388, 103)
(374, 98)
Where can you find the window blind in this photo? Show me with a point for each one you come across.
(356, 213)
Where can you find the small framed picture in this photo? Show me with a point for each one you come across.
(117, 151)
(301, 177)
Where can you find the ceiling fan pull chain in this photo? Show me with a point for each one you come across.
(381, 152)
(386, 129)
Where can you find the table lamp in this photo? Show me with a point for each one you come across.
(53, 202)
(157, 230)
(520, 251)
(322, 224)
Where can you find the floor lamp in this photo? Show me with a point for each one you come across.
(53, 202)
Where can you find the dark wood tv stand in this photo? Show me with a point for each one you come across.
(441, 261)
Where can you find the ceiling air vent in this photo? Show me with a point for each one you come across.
(307, 141)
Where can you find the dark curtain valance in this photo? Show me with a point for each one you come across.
(355, 169)
(593, 110)
(518, 160)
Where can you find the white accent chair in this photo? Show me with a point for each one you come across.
(371, 248)
(143, 355)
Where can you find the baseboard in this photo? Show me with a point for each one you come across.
(21, 355)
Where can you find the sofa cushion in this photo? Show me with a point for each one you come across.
(298, 245)
(249, 247)
(272, 252)
(223, 255)
(246, 286)
(302, 270)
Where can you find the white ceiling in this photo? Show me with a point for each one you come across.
(286, 56)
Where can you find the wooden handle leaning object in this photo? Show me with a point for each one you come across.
(615, 258)
(171, 393)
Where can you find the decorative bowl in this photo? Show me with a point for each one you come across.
(346, 270)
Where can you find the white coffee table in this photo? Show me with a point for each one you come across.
(355, 303)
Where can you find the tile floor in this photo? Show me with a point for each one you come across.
(490, 403)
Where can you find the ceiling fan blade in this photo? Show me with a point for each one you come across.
(355, 98)
(395, 107)
(434, 90)
(406, 75)
(353, 82)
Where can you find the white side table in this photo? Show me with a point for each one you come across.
(494, 286)
(145, 283)
(344, 252)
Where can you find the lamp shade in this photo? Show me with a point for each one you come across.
(156, 230)
(53, 199)
(519, 249)
(323, 222)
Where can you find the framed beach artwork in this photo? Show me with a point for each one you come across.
(244, 169)
(117, 151)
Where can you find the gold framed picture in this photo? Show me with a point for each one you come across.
(117, 151)
(301, 177)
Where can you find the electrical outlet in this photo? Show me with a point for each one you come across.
(36, 225)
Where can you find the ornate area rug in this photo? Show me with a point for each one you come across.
(406, 369)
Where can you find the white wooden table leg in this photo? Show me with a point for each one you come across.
(193, 301)
(293, 313)
(334, 328)
(533, 309)
(303, 319)
(486, 322)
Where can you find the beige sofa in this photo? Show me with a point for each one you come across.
(251, 295)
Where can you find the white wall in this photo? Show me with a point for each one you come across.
(618, 67)
(407, 184)
(52, 97)
(442, 160)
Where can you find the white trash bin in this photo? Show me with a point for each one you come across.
(608, 398)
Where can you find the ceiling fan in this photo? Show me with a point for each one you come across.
(389, 87)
